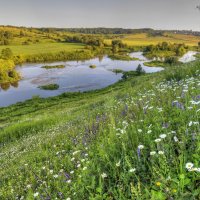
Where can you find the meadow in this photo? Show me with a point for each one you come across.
(143, 39)
(137, 139)
(42, 48)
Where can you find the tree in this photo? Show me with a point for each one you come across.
(140, 70)
(199, 44)
(6, 54)
(115, 49)
(180, 51)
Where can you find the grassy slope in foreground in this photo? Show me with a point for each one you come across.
(132, 140)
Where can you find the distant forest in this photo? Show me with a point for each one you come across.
(102, 30)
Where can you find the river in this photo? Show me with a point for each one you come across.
(76, 76)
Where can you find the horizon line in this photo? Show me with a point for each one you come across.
(51, 27)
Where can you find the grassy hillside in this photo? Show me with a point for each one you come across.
(133, 140)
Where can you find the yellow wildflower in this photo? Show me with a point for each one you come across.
(158, 184)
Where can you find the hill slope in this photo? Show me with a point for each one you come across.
(133, 140)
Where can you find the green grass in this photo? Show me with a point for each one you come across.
(143, 39)
(41, 48)
(155, 64)
(88, 145)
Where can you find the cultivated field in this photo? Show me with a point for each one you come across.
(143, 39)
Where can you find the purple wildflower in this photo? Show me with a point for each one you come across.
(178, 105)
(138, 152)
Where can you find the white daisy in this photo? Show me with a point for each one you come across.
(118, 164)
(36, 194)
(163, 136)
(152, 153)
(141, 147)
(132, 170)
(104, 175)
(161, 152)
(158, 140)
(189, 165)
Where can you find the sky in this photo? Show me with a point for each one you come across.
(157, 14)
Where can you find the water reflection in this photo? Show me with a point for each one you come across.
(77, 76)
(6, 86)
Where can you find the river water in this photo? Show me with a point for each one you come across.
(76, 76)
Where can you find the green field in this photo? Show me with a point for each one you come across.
(42, 48)
(143, 39)
(133, 140)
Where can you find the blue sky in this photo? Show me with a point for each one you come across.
(158, 14)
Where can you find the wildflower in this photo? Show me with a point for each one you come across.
(84, 168)
(72, 172)
(190, 123)
(158, 184)
(174, 190)
(104, 175)
(75, 152)
(28, 186)
(161, 152)
(139, 130)
(36, 194)
(152, 153)
(69, 181)
(132, 170)
(51, 171)
(168, 178)
(141, 147)
(178, 105)
(55, 176)
(158, 140)
(68, 198)
(78, 165)
(197, 169)
(173, 132)
(118, 164)
(73, 159)
(149, 131)
(163, 136)
(189, 165)
(175, 139)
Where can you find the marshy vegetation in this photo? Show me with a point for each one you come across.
(49, 87)
(53, 66)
